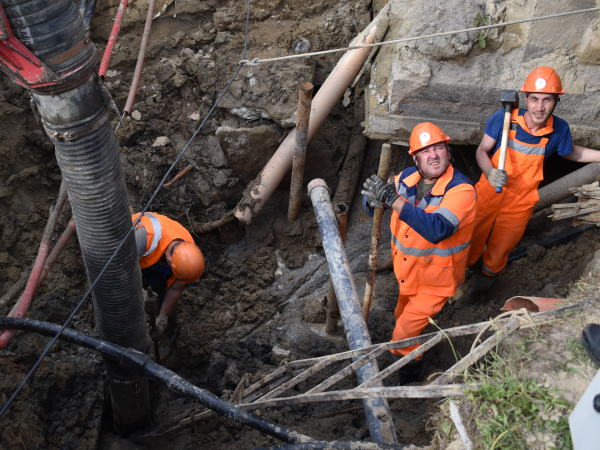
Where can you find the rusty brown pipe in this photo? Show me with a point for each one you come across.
(304, 101)
(179, 175)
(329, 94)
(332, 309)
(383, 173)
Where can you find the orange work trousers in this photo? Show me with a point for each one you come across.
(412, 316)
(500, 222)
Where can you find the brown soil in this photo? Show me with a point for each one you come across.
(247, 309)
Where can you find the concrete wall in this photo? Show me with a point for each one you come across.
(456, 83)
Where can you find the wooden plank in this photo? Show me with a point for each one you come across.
(264, 381)
(346, 371)
(298, 379)
(427, 391)
(479, 352)
(401, 363)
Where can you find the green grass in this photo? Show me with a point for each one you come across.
(575, 346)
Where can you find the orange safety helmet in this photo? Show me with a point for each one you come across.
(424, 135)
(187, 262)
(544, 80)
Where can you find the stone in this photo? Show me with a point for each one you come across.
(136, 115)
(313, 311)
(535, 252)
(161, 141)
(279, 354)
(248, 149)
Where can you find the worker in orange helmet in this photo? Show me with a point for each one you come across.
(432, 222)
(501, 218)
(169, 259)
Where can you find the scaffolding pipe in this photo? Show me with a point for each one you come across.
(259, 191)
(332, 309)
(74, 116)
(559, 189)
(377, 411)
(384, 172)
(304, 100)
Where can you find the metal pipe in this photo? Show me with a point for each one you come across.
(559, 189)
(304, 100)
(332, 309)
(384, 172)
(140, 61)
(259, 191)
(377, 411)
(110, 45)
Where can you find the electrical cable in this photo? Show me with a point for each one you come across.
(84, 298)
(258, 61)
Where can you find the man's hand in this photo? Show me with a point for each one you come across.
(496, 177)
(379, 192)
(161, 326)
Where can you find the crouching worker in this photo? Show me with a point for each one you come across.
(432, 222)
(169, 260)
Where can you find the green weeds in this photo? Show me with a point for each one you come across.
(478, 21)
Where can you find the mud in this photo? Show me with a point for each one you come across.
(259, 300)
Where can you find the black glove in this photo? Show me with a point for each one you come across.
(378, 192)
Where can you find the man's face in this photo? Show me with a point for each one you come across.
(433, 160)
(540, 107)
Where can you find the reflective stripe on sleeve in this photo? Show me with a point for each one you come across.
(447, 214)
(518, 147)
(444, 252)
(157, 233)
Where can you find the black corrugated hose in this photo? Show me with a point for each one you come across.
(143, 366)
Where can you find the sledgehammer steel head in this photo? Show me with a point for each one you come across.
(510, 98)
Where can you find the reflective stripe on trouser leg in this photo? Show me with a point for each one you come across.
(412, 316)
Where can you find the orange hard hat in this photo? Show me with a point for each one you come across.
(187, 262)
(424, 135)
(544, 80)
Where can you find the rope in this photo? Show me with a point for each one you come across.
(522, 315)
(258, 61)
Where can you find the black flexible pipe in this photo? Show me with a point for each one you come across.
(82, 8)
(91, 9)
(143, 366)
(87, 151)
(341, 445)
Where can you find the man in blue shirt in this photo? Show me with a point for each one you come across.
(534, 135)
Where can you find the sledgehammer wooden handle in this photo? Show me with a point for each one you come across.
(504, 142)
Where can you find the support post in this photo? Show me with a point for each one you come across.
(304, 101)
(332, 309)
(384, 171)
(377, 410)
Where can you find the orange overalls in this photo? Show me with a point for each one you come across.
(429, 272)
(508, 212)
(160, 231)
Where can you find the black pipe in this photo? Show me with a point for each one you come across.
(143, 366)
(341, 445)
(75, 117)
(91, 9)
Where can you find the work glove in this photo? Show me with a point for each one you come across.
(161, 326)
(496, 177)
(379, 192)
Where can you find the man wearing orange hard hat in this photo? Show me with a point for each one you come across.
(169, 259)
(432, 222)
(534, 135)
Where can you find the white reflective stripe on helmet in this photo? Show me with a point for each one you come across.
(157, 233)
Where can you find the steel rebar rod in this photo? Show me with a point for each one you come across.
(384, 171)
(377, 410)
(304, 101)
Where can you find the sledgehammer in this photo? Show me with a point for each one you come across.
(510, 100)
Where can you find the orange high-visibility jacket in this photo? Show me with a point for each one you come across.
(524, 162)
(160, 231)
(430, 241)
